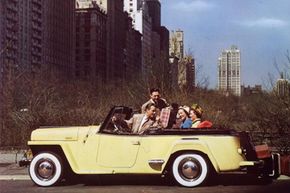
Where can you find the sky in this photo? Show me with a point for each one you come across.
(260, 29)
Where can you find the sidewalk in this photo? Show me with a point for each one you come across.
(13, 172)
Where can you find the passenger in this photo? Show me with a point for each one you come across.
(172, 123)
(183, 113)
(139, 123)
(195, 115)
(155, 99)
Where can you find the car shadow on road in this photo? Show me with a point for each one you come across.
(156, 180)
(238, 179)
(104, 180)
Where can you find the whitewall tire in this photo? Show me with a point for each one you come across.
(46, 169)
(190, 170)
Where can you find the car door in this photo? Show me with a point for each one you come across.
(118, 151)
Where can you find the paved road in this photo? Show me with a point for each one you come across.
(151, 184)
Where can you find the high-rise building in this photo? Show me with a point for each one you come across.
(133, 7)
(31, 45)
(282, 86)
(142, 22)
(173, 72)
(83, 4)
(146, 17)
(186, 73)
(154, 11)
(176, 44)
(116, 41)
(59, 37)
(37, 35)
(91, 40)
(123, 51)
(132, 52)
(229, 67)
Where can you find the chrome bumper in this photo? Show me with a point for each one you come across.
(276, 166)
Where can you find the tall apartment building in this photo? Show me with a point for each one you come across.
(116, 41)
(282, 86)
(186, 73)
(83, 4)
(176, 44)
(123, 43)
(35, 36)
(142, 22)
(58, 36)
(91, 41)
(146, 17)
(154, 11)
(132, 52)
(229, 67)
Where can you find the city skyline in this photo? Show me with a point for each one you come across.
(260, 29)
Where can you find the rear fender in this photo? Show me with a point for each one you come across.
(194, 146)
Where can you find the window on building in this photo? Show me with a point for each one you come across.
(87, 44)
(87, 29)
(87, 58)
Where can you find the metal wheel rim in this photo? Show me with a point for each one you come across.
(45, 169)
(189, 169)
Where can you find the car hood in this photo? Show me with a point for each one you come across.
(62, 133)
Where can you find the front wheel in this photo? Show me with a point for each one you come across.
(46, 169)
(190, 170)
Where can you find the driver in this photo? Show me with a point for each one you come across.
(139, 123)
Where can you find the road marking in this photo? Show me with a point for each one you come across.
(14, 177)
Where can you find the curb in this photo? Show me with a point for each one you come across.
(14, 177)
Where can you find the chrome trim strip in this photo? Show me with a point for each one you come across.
(156, 161)
(192, 138)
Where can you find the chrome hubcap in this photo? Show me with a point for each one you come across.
(189, 169)
(45, 169)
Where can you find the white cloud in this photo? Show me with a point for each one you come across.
(265, 22)
(193, 5)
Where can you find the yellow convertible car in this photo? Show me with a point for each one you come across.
(189, 156)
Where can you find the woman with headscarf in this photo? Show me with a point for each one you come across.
(183, 113)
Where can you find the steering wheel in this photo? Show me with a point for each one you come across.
(116, 128)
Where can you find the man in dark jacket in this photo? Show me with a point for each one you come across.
(155, 99)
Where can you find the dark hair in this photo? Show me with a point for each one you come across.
(149, 105)
(197, 113)
(174, 105)
(154, 90)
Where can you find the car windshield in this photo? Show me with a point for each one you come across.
(116, 121)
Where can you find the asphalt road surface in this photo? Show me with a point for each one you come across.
(147, 184)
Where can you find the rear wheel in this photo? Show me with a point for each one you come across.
(46, 169)
(190, 170)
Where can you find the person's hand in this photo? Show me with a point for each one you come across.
(114, 119)
(157, 118)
